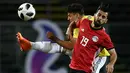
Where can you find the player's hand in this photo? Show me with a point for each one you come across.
(50, 36)
(24, 43)
(110, 68)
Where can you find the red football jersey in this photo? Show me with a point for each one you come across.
(88, 43)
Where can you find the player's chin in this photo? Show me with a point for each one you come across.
(102, 24)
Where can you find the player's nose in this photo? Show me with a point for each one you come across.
(100, 17)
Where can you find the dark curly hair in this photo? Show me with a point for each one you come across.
(75, 8)
(104, 7)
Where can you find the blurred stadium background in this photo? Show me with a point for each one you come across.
(12, 60)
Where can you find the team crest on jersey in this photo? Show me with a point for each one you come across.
(95, 38)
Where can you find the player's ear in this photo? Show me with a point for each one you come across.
(106, 20)
(95, 14)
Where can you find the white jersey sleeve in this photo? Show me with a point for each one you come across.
(47, 47)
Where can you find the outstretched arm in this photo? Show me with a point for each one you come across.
(66, 44)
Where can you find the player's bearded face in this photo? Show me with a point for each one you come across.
(101, 17)
(72, 17)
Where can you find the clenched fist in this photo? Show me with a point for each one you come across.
(51, 36)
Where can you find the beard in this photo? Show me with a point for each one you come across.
(97, 24)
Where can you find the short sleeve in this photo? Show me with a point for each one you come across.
(107, 43)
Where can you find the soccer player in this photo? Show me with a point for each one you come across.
(102, 54)
(91, 37)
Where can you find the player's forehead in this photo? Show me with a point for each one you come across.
(70, 14)
(102, 13)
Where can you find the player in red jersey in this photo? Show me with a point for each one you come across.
(91, 37)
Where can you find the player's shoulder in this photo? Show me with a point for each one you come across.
(85, 19)
(89, 17)
(105, 35)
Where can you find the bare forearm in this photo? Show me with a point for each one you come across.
(113, 56)
(66, 44)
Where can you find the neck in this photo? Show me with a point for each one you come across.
(79, 18)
